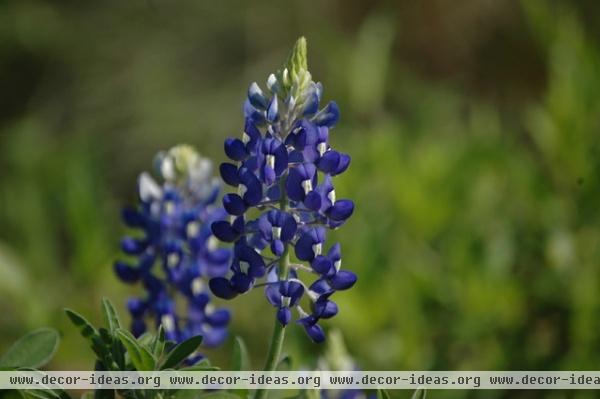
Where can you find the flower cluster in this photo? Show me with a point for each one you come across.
(283, 168)
(174, 219)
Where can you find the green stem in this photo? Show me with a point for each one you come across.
(278, 335)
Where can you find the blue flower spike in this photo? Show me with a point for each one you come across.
(282, 168)
(175, 252)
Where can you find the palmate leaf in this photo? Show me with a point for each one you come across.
(141, 358)
(32, 350)
(180, 352)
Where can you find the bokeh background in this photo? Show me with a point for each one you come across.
(474, 132)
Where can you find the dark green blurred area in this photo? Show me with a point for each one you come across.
(473, 128)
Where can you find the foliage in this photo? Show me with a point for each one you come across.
(116, 349)
(473, 131)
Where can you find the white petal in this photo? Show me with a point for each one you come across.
(149, 189)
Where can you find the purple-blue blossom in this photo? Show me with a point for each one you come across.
(173, 252)
(282, 168)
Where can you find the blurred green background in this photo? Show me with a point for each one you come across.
(474, 132)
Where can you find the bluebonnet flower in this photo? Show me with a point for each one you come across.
(174, 219)
(283, 168)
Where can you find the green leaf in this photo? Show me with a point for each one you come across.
(86, 329)
(382, 394)
(297, 60)
(240, 358)
(44, 394)
(180, 352)
(200, 367)
(32, 350)
(141, 358)
(47, 392)
(420, 393)
(311, 394)
(158, 345)
(111, 318)
(104, 394)
(146, 340)
(218, 395)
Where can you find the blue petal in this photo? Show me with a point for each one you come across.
(294, 291)
(335, 252)
(315, 332)
(322, 288)
(313, 201)
(284, 315)
(153, 285)
(343, 280)
(329, 162)
(224, 231)
(272, 111)
(277, 247)
(268, 175)
(341, 210)
(328, 116)
(235, 149)
(199, 300)
(256, 96)
(229, 173)
(264, 226)
(234, 204)
(138, 327)
(303, 247)
(214, 337)
(241, 282)
(132, 217)
(218, 256)
(126, 272)
(222, 288)
(273, 193)
(293, 185)
(136, 307)
(252, 113)
(325, 309)
(253, 258)
(273, 295)
(342, 165)
(312, 105)
(281, 159)
(288, 228)
(219, 318)
(321, 264)
(252, 131)
(253, 193)
(132, 246)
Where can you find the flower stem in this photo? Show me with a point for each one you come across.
(278, 329)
